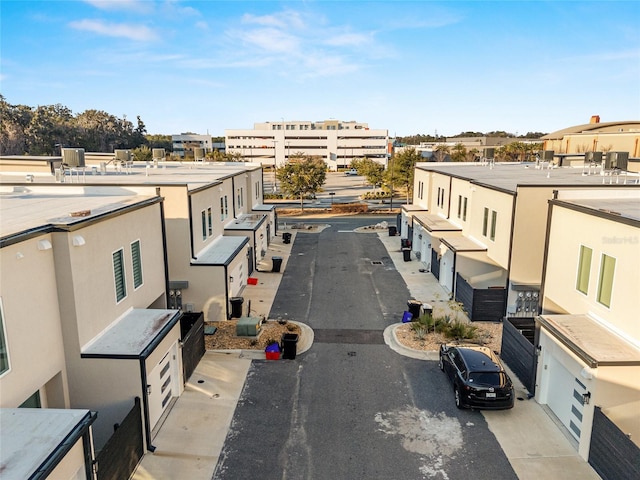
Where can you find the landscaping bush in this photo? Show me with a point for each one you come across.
(349, 208)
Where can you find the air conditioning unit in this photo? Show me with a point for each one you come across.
(158, 154)
(123, 155)
(616, 160)
(593, 157)
(73, 157)
(547, 155)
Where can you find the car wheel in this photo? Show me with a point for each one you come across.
(456, 394)
(441, 364)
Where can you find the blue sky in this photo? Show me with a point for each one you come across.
(409, 67)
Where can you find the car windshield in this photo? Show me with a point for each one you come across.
(495, 379)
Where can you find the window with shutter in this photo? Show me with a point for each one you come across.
(118, 275)
(137, 264)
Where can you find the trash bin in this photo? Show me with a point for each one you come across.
(236, 306)
(425, 309)
(405, 243)
(286, 237)
(277, 263)
(407, 317)
(414, 308)
(392, 230)
(406, 254)
(289, 345)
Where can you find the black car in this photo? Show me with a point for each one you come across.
(479, 380)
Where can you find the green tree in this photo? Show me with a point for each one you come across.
(458, 153)
(303, 175)
(369, 169)
(400, 171)
(442, 152)
(142, 154)
(159, 141)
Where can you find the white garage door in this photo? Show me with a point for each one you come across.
(162, 386)
(565, 397)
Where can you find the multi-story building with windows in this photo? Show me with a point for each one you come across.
(336, 142)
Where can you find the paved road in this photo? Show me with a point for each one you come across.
(350, 408)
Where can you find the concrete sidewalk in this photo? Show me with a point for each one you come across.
(190, 441)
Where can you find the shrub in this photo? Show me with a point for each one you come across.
(461, 331)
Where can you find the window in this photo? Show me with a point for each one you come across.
(226, 207)
(136, 261)
(494, 221)
(4, 352)
(204, 225)
(420, 189)
(118, 275)
(485, 222)
(210, 221)
(584, 268)
(32, 402)
(459, 206)
(605, 287)
(221, 209)
(464, 210)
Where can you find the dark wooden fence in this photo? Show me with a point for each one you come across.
(481, 304)
(612, 454)
(518, 349)
(192, 333)
(123, 451)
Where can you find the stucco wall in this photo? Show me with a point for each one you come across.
(32, 323)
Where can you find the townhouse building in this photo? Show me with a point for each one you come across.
(99, 336)
(336, 142)
(588, 347)
(480, 229)
(216, 225)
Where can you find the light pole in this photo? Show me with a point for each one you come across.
(275, 162)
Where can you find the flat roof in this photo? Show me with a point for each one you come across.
(30, 435)
(619, 207)
(509, 176)
(246, 222)
(435, 223)
(132, 334)
(23, 209)
(460, 243)
(221, 251)
(593, 343)
(192, 174)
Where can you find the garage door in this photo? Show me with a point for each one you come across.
(162, 386)
(565, 397)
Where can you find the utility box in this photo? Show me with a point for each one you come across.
(248, 327)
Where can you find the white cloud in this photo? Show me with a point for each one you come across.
(131, 5)
(139, 33)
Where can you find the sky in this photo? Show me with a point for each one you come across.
(410, 67)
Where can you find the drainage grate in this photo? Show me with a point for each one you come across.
(355, 336)
(376, 262)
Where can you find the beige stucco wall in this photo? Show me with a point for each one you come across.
(461, 188)
(569, 230)
(502, 203)
(85, 273)
(32, 324)
(424, 177)
(599, 142)
(619, 397)
(71, 463)
(255, 188)
(529, 232)
(439, 180)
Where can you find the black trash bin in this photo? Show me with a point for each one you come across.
(286, 237)
(277, 263)
(392, 230)
(406, 254)
(414, 308)
(289, 345)
(236, 306)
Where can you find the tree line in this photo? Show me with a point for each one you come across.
(44, 129)
(421, 138)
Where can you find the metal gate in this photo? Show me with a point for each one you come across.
(518, 350)
(123, 451)
(192, 333)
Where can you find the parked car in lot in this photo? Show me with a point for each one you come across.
(352, 171)
(478, 378)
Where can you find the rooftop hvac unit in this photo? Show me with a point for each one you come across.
(616, 160)
(593, 157)
(198, 153)
(73, 157)
(123, 155)
(158, 153)
(547, 155)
